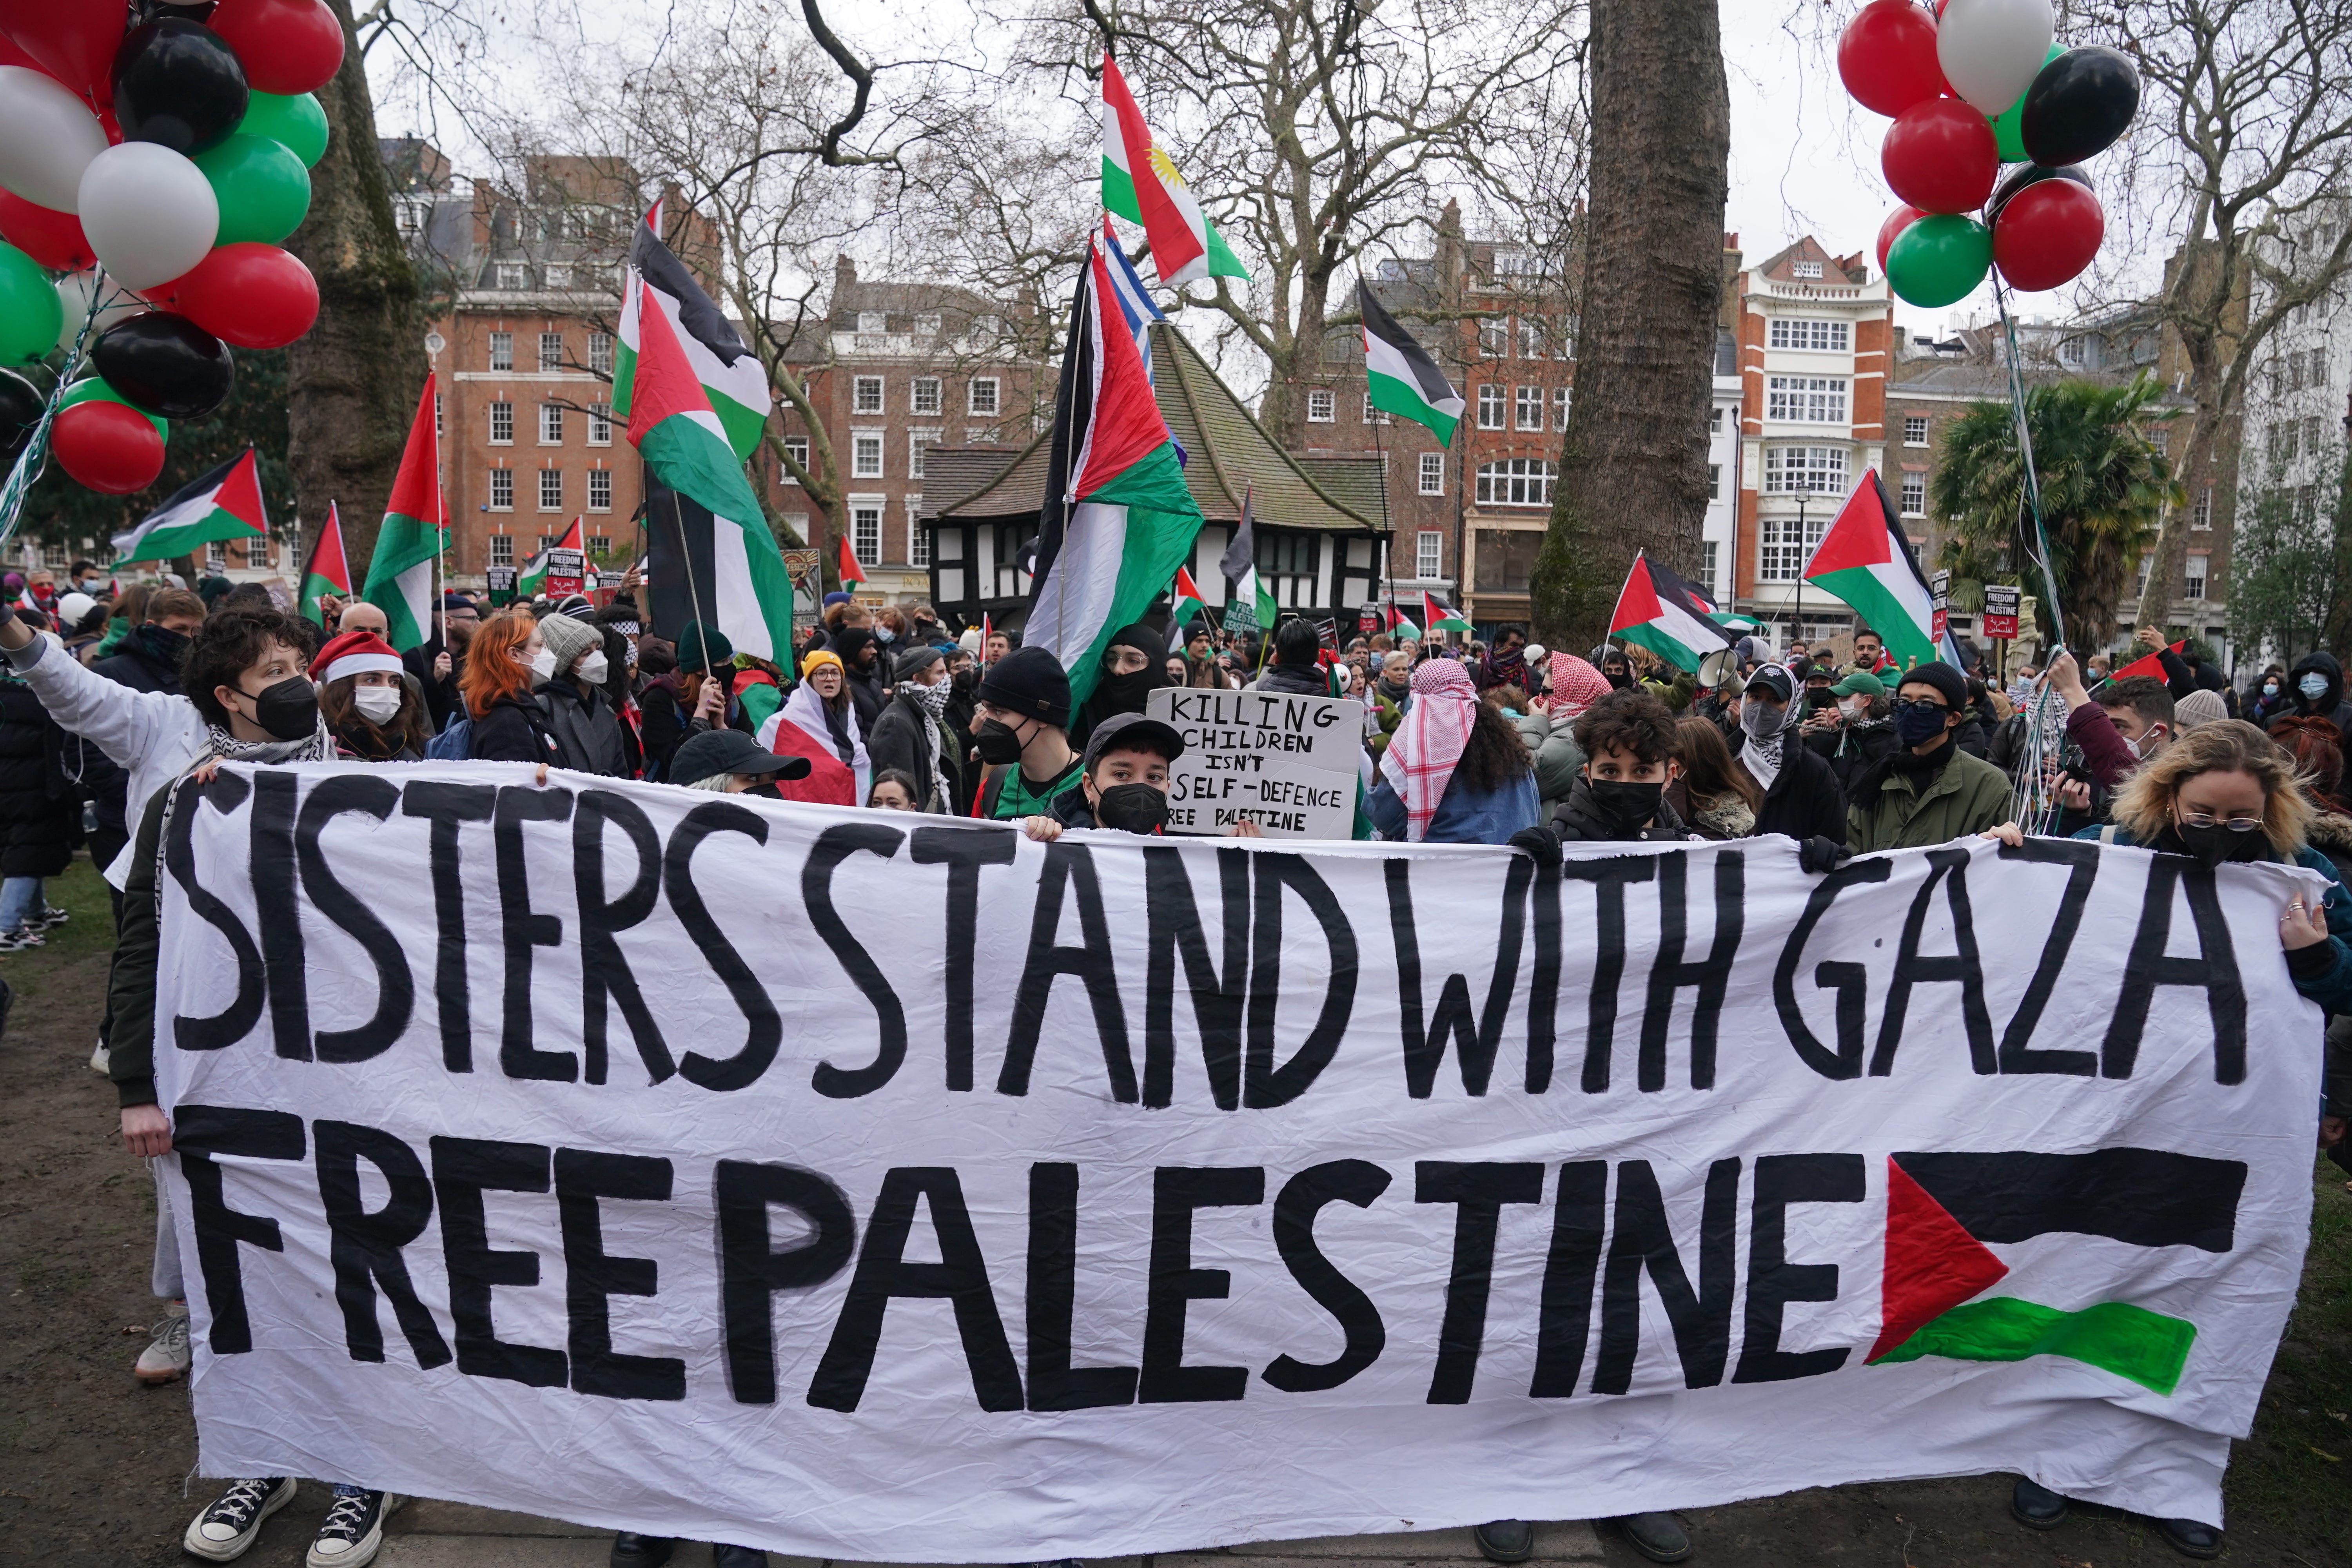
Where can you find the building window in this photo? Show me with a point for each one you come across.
(2314, 433)
(503, 350)
(1804, 270)
(513, 275)
(1322, 408)
(1559, 402)
(918, 543)
(550, 351)
(1715, 481)
(873, 322)
(1805, 399)
(1531, 339)
(2193, 585)
(982, 396)
(866, 394)
(1429, 554)
(1495, 339)
(440, 428)
(550, 425)
(551, 490)
(1915, 429)
(1915, 493)
(1708, 551)
(866, 532)
(1830, 337)
(2202, 516)
(927, 324)
(600, 489)
(1374, 415)
(916, 441)
(215, 558)
(1432, 473)
(600, 424)
(1804, 470)
(865, 455)
(1490, 408)
(2161, 439)
(502, 490)
(796, 448)
(2070, 351)
(1519, 481)
(599, 352)
(925, 394)
(502, 424)
(502, 550)
(1504, 559)
(1529, 406)
(1780, 552)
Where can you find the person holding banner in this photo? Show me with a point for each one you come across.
(371, 701)
(1632, 755)
(1123, 783)
(1455, 772)
(817, 721)
(1024, 738)
(1801, 796)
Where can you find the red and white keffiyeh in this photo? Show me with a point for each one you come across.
(1421, 758)
(1575, 686)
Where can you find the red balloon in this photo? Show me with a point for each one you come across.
(73, 40)
(107, 447)
(286, 46)
(1898, 220)
(1886, 57)
(2047, 234)
(50, 237)
(253, 295)
(1940, 156)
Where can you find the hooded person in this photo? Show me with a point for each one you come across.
(1134, 665)
(1926, 791)
(1801, 796)
(819, 721)
(913, 737)
(370, 701)
(2314, 690)
(1297, 667)
(861, 665)
(1454, 772)
(1550, 731)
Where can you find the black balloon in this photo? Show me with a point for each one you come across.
(178, 83)
(2079, 104)
(166, 365)
(20, 410)
(2025, 175)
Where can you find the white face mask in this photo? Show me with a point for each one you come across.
(543, 665)
(593, 668)
(376, 703)
(1854, 707)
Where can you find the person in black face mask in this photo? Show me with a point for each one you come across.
(1134, 665)
(1927, 791)
(1123, 785)
(1023, 738)
(1632, 753)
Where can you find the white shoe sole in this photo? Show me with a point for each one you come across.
(98, 1061)
(229, 1550)
(364, 1550)
(155, 1379)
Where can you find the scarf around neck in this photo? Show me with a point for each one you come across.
(1429, 742)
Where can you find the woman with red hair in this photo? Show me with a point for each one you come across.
(2317, 748)
(503, 664)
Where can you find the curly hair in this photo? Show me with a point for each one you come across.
(2144, 805)
(1628, 720)
(226, 646)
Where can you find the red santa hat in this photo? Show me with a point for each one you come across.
(355, 653)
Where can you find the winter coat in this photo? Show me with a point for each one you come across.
(2331, 835)
(587, 732)
(1463, 815)
(515, 729)
(441, 698)
(1388, 712)
(1293, 679)
(1577, 821)
(865, 693)
(896, 741)
(1968, 796)
(38, 807)
(1804, 799)
(1853, 747)
(1559, 758)
(662, 724)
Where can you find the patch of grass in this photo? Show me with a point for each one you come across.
(81, 892)
(2296, 1471)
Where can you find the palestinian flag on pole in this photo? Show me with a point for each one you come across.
(400, 574)
(1656, 609)
(1399, 623)
(2147, 664)
(1399, 376)
(1184, 599)
(847, 569)
(225, 504)
(1118, 520)
(2069, 1224)
(685, 446)
(1184, 243)
(326, 572)
(531, 581)
(733, 381)
(1436, 617)
(1249, 604)
(1866, 560)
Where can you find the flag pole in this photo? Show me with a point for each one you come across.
(693, 594)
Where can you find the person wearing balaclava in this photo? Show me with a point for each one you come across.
(1927, 791)
(1134, 665)
(1802, 797)
(1616, 668)
(861, 664)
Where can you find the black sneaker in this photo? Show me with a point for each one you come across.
(633, 1551)
(353, 1531)
(16, 940)
(223, 1532)
(2190, 1538)
(49, 918)
(2036, 1507)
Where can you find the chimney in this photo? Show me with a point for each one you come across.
(845, 277)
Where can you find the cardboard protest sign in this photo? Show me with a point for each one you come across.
(867, 1187)
(1285, 761)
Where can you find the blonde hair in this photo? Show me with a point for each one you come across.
(2144, 805)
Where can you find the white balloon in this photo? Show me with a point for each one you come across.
(48, 138)
(1992, 49)
(74, 290)
(149, 214)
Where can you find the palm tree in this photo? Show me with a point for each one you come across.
(2104, 486)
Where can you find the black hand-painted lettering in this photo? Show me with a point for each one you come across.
(592, 1276)
(1543, 983)
(963, 851)
(2017, 1055)
(365, 1246)
(1068, 867)
(448, 807)
(275, 895)
(1475, 1048)
(1773, 1282)
(1643, 1239)
(1173, 919)
(234, 1022)
(1264, 1085)
(1580, 1218)
(1364, 1336)
(367, 795)
(1850, 982)
(764, 1028)
(1964, 968)
(605, 972)
(751, 1270)
(2214, 971)
(1479, 1192)
(523, 929)
(198, 1134)
(833, 845)
(1176, 1193)
(1710, 976)
(1609, 876)
(463, 1168)
(1053, 1383)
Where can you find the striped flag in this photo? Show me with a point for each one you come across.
(1401, 377)
(734, 382)
(1139, 184)
(1866, 560)
(327, 572)
(224, 504)
(1657, 610)
(1437, 617)
(1184, 599)
(400, 573)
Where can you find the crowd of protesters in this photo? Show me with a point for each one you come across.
(108, 700)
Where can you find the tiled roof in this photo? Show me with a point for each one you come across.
(980, 481)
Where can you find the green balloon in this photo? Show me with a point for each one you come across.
(89, 388)
(264, 189)
(31, 316)
(2007, 126)
(298, 122)
(1939, 259)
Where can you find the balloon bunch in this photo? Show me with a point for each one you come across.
(1972, 86)
(159, 168)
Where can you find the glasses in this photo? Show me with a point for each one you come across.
(1920, 705)
(2206, 819)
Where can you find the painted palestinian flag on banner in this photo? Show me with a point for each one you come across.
(1436, 616)
(1399, 376)
(1947, 1213)
(557, 568)
(685, 446)
(1183, 600)
(1657, 610)
(734, 382)
(222, 505)
(1117, 520)
(326, 572)
(1866, 560)
(1184, 243)
(400, 573)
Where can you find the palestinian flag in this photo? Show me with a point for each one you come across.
(685, 446)
(326, 572)
(400, 574)
(1946, 1214)
(1118, 520)
(562, 562)
(1436, 617)
(1184, 243)
(734, 382)
(1866, 560)
(225, 504)
(1656, 609)
(1249, 604)
(1184, 599)
(1399, 376)
(2149, 664)
(848, 570)
(1399, 623)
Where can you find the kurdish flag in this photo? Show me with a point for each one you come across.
(734, 382)
(224, 504)
(1658, 610)
(684, 444)
(1945, 1213)
(1437, 617)
(531, 581)
(1866, 560)
(1184, 243)
(400, 573)
(1185, 599)
(326, 572)
(1118, 520)
(1399, 376)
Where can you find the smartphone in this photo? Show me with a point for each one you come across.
(1819, 699)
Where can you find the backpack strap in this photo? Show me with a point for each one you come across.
(2107, 834)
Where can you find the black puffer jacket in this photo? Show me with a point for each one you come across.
(37, 804)
(515, 731)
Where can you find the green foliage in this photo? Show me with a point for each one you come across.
(2290, 559)
(2104, 486)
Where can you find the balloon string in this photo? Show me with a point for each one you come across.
(2039, 550)
(35, 458)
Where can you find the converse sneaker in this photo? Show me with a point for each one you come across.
(352, 1530)
(165, 1359)
(222, 1531)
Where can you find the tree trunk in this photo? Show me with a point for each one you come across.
(1633, 470)
(352, 379)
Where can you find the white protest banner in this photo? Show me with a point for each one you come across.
(857, 1186)
(1285, 761)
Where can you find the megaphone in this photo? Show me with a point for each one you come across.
(1716, 668)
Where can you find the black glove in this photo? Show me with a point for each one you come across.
(1822, 854)
(1539, 842)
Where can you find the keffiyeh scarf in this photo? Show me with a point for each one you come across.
(1420, 761)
